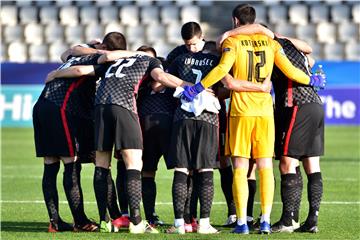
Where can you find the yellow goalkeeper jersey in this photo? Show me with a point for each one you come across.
(251, 58)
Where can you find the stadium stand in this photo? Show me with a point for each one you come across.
(332, 27)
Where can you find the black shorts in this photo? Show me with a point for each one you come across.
(193, 145)
(85, 138)
(222, 130)
(54, 130)
(115, 125)
(156, 129)
(299, 131)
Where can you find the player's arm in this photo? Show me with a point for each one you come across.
(81, 50)
(167, 79)
(110, 56)
(70, 72)
(245, 30)
(299, 44)
(246, 86)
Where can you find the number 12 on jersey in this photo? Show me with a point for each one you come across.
(259, 64)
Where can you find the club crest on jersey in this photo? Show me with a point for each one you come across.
(226, 50)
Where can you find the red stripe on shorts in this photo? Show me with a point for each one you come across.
(288, 134)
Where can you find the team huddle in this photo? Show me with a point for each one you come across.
(105, 98)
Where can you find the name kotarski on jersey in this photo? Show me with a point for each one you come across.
(258, 43)
(197, 62)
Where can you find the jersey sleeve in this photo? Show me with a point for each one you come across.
(290, 71)
(226, 62)
(154, 63)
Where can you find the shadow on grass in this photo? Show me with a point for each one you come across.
(24, 226)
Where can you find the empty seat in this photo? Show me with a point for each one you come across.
(43, 3)
(149, 14)
(28, 14)
(261, 13)
(143, 3)
(334, 51)
(356, 12)
(23, 3)
(134, 45)
(285, 29)
(298, 14)
(173, 33)
(38, 53)
(306, 32)
(109, 14)
(74, 34)
(122, 2)
(277, 13)
(54, 32)
(34, 33)
(17, 52)
(205, 3)
(348, 31)
(89, 14)
(114, 27)
(326, 32)
(13, 33)
(183, 2)
(135, 33)
(49, 14)
(63, 2)
(319, 13)
(103, 3)
(164, 3)
(190, 13)
(340, 13)
(169, 14)
(9, 15)
(56, 49)
(69, 15)
(93, 31)
(352, 51)
(317, 50)
(83, 3)
(129, 15)
(155, 32)
(163, 48)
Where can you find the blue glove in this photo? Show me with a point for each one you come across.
(190, 93)
(318, 81)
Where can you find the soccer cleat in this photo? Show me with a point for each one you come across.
(155, 221)
(308, 227)
(281, 227)
(121, 222)
(59, 226)
(207, 229)
(142, 227)
(295, 225)
(231, 221)
(256, 225)
(176, 230)
(265, 228)
(105, 227)
(194, 224)
(241, 229)
(188, 228)
(88, 226)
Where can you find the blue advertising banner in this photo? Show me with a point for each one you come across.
(21, 85)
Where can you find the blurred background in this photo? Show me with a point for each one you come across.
(35, 33)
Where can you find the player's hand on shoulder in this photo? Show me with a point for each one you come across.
(51, 76)
(266, 85)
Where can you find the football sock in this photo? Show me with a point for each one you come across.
(121, 187)
(112, 205)
(250, 202)
(190, 185)
(100, 189)
(226, 177)
(50, 190)
(298, 195)
(315, 190)
(240, 193)
(149, 196)
(73, 194)
(179, 193)
(206, 193)
(267, 186)
(133, 186)
(288, 197)
(194, 195)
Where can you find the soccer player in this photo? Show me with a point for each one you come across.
(116, 123)
(251, 123)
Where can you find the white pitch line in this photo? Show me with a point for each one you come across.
(169, 203)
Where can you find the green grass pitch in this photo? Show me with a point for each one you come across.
(24, 216)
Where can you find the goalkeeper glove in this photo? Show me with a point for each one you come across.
(318, 81)
(190, 93)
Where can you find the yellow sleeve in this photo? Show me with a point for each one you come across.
(226, 62)
(284, 64)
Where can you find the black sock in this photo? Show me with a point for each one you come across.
(190, 185)
(315, 190)
(100, 188)
(121, 187)
(179, 193)
(149, 196)
(252, 191)
(50, 190)
(194, 195)
(206, 193)
(298, 195)
(288, 197)
(112, 205)
(133, 186)
(72, 191)
(226, 176)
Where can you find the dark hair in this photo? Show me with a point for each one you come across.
(245, 13)
(210, 47)
(114, 41)
(145, 48)
(190, 30)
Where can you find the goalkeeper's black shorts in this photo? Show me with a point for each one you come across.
(299, 131)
